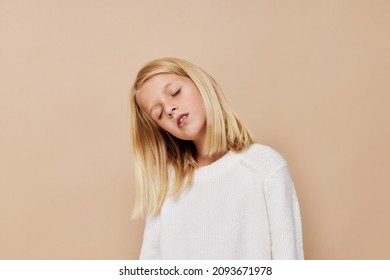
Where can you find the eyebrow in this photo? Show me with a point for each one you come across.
(164, 90)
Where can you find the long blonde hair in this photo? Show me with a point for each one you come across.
(156, 152)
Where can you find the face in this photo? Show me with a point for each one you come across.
(175, 104)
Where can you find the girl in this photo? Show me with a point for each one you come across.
(208, 190)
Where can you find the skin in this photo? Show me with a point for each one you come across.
(176, 105)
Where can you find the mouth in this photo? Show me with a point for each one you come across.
(181, 120)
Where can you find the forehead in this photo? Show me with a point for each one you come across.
(157, 82)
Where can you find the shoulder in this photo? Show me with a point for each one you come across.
(262, 159)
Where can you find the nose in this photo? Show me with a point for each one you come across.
(171, 109)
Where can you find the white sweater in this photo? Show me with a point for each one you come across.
(242, 206)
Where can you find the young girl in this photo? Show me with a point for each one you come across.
(208, 190)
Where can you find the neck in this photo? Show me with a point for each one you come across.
(206, 160)
(203, 160)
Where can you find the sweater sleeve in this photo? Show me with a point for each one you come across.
(150, 244)
(284, 215)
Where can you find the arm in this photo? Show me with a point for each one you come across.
(283, 215)
(150, 244)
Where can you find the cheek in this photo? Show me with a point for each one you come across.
(201, 108)
(167, 127)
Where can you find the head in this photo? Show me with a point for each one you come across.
(178, 110)
(175, 104)
(217, 111)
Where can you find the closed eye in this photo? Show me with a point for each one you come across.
(177, 92)
(161, 113)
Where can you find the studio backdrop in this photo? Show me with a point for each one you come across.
(310, 79)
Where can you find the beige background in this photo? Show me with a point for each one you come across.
(310, 78)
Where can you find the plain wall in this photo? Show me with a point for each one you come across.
(310, 78)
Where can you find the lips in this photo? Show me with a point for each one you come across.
(181, 120)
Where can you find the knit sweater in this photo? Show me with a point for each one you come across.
(242, 206)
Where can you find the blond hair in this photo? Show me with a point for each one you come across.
(156, 152)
